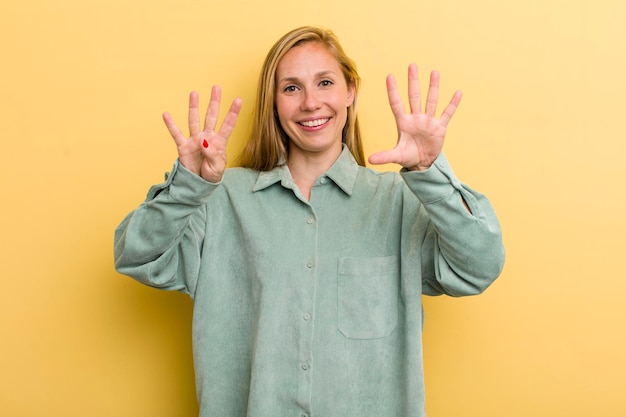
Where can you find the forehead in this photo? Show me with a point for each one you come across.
(307, 58)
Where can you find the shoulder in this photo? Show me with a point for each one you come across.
(236, 177)
(237, 185)
(379, 178)
(387, 185)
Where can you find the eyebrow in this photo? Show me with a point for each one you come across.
(317, 75)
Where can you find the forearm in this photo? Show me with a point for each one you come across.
(463, 252)
(159, 242)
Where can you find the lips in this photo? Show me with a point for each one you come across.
(314, 122)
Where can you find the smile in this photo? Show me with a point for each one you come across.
(314, 123)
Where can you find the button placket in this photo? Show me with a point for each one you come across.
(309, 245)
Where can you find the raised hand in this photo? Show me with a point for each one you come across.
(420, 134)
(204, 151)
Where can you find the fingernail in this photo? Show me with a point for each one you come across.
(205, 143)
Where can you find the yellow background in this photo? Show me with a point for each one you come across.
(540, 131)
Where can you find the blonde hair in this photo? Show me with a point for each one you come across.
(267, 147)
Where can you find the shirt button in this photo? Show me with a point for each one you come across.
(323, 180)
(309, 264)
(305, 366)
(306, 317)
(310, 220)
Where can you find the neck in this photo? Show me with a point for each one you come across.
(307, 168)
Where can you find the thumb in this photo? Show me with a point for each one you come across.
(383, 157)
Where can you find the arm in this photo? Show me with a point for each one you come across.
(160, 242)
(462, 252)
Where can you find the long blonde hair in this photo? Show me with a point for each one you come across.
(268, 144)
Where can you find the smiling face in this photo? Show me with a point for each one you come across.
(312, 98)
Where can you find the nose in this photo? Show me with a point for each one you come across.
(310, 101)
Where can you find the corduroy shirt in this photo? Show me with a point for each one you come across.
(311, 308)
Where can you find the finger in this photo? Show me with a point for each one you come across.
(433, 94)
(451, 108)
(194, 118)
(175, 132)
(394, 98)
(213, 111)
(383, 157)
(231, 119)
(415, 99)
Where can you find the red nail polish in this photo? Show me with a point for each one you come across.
(205, 143)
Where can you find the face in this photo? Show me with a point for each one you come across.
(312, 100)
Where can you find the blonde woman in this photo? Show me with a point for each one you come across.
(307, 268)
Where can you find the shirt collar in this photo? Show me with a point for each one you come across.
(343, 173)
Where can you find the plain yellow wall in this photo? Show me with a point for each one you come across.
(540, 131)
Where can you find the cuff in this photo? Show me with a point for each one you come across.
(436, 183)
(184, 186)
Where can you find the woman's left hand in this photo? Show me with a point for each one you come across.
(420, 134)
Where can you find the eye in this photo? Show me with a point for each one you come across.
(290, 89)
(326, 83)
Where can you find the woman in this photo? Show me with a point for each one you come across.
(306, 268)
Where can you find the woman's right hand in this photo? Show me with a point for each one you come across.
(204, 151)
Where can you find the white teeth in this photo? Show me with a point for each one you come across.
(314, 123)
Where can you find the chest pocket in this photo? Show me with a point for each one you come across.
(367, 295)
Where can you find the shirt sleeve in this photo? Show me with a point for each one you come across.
(462, 253)
(160, 242)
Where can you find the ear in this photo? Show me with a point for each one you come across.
(351, 94)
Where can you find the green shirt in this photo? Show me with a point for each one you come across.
(311, 308)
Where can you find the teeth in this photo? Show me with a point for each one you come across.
(314, 123)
